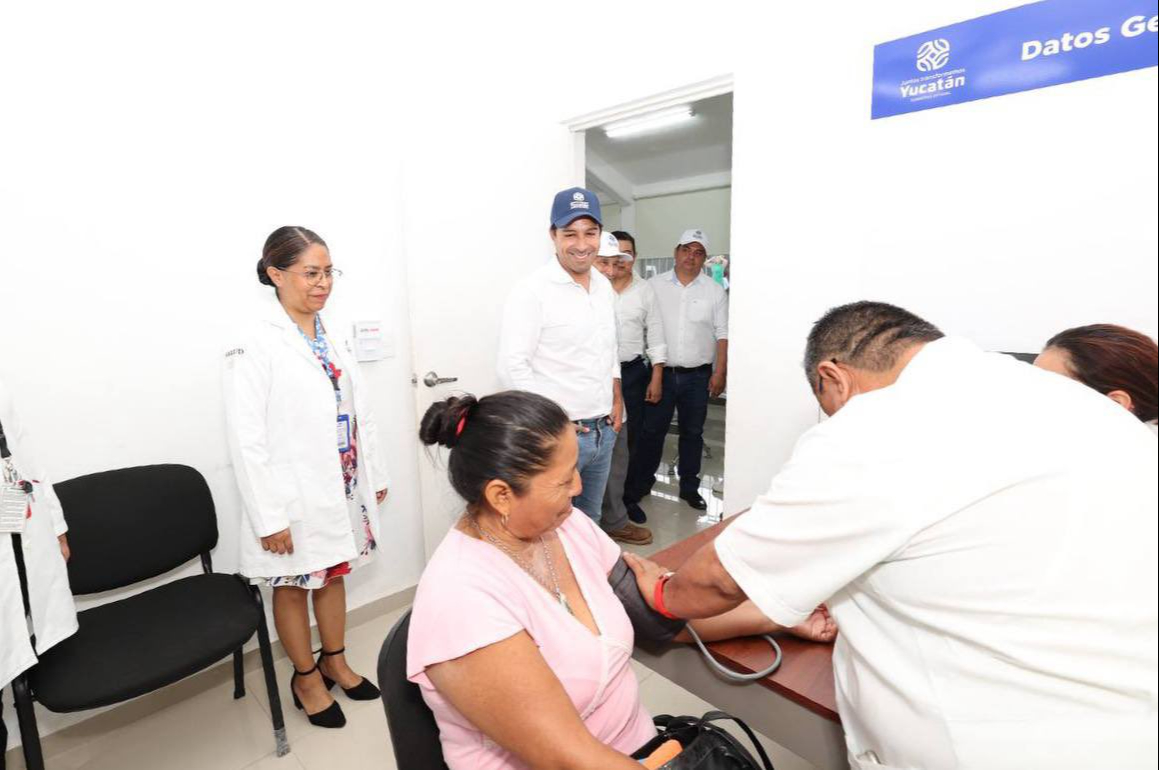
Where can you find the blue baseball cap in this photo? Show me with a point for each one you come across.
(573, 203)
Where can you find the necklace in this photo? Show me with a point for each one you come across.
(526, 565)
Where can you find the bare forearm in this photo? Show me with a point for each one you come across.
(745, 620)
(722, 357)
(702, 587)
(597, 756)
(508, 692)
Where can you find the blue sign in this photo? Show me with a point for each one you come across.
(1032, 46)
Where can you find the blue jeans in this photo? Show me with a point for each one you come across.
(595, 461)
(686, 395)
(615, 512)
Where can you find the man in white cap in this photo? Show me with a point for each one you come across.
(558, 339)
(638, 330)
(694, 309)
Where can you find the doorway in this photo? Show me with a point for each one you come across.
(661, 167)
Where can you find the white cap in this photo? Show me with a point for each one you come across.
(693, 236)
(610, 247)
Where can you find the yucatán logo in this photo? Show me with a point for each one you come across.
(933, 55)
(578, 202)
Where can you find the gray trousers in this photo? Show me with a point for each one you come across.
(615, 514)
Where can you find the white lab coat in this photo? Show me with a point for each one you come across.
(984, 534)
(53, 610)
(281, 422)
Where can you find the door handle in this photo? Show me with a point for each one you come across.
(431, 379)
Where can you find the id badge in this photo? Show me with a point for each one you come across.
(13, 508)
(343, 433)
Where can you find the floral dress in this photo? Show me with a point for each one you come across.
(348, 457)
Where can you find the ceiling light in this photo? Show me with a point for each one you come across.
(649, 122)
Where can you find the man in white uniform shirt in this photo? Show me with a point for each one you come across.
(984, 534)
(637, 324)
(558, 339)
(694, 309)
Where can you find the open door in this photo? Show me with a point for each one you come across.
(474, 226)
(477, 196)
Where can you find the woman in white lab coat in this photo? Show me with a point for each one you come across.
(310, 494)
(44, 546)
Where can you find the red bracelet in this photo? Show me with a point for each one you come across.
(658, 596)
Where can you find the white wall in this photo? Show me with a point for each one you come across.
(144, 172)
(661, 220)
(153, 154)
(613, 215)
(1005, 220)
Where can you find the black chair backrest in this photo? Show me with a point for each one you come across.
(1025, 357)
(131, 524)
(413, 731)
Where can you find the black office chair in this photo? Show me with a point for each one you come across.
(413, 732)
(130, 525)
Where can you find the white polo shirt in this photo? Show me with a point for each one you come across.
(558, 339)
(639, 323)
(984, 533)
(695, 317)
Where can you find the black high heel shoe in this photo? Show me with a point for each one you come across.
(364, 690)
(331, 716)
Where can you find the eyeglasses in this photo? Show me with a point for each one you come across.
(314, 277)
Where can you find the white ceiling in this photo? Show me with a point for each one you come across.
(698, 148)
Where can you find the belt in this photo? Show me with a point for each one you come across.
(690, 369)
(636, 360)
(590, 421)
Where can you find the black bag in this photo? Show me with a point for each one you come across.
(706, 746)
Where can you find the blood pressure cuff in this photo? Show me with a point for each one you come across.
(649, 625)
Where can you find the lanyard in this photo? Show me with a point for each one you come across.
(322, 352)
(9, 470)
(17, 545)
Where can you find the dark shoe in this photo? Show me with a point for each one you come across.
(364, 690)
(632, 535)
(694, 500)
(331, 716)
(636, 513)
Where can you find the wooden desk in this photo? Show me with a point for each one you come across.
(796, 706)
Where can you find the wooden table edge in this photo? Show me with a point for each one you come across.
(681, 550)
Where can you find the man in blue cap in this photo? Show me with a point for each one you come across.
(558, 339)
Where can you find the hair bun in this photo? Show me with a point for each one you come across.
(263, 276)
(440, 424)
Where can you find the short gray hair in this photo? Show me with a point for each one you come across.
(867, 335)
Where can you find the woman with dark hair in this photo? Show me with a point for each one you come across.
(517, 641)
(1119, 363)
(311, 502)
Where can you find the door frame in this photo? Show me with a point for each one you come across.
(693, 92)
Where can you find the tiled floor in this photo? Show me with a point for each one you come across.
(212, 731)
(669, 517)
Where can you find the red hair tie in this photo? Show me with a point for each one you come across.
(462, 424)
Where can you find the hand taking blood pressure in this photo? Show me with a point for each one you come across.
(648, 573)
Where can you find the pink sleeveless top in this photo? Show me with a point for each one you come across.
(472, 595)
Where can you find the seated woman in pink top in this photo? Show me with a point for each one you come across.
(518, 643)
